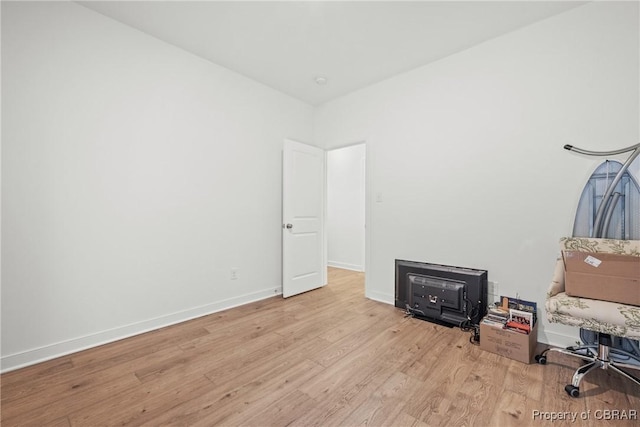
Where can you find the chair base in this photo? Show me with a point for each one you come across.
(600, 360)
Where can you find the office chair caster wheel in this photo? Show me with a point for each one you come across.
(572, 390)
(541, 359)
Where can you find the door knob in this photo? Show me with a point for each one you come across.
(289, 226)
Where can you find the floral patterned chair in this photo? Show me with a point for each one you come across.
(608, 319)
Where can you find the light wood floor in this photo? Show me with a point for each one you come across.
(327, 357)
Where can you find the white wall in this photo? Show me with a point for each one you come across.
(466, 153)
(134, 177)
(345, 207)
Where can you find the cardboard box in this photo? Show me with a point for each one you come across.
(602, 276)
(513, 345)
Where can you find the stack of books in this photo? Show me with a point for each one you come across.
(497, 317)
(514, 314)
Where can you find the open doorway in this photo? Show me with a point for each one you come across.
(346, 207)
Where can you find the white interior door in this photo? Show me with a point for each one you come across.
(303, 237)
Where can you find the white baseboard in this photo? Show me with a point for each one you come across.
(380, 297)
(345, 266)
(41, 354)
(557, 339)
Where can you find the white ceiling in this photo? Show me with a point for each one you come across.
(353, 44)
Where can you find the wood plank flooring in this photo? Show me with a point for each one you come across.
(327, 357)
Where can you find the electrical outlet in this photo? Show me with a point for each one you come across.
(234, 274)
(492, 288)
